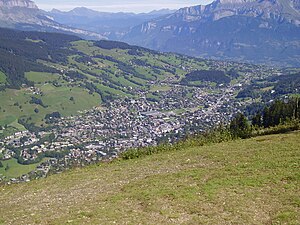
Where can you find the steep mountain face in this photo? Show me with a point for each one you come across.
(111, 25)
(254, 30)
(296, 4)
(265, 9)
(18, 3)
(25, 15)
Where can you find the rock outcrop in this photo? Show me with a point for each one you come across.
(18, 3)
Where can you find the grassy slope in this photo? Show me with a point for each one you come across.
(254, 181)
(55, 98)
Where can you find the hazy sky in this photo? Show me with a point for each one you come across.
(118, 5)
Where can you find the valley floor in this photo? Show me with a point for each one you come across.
(254, 181)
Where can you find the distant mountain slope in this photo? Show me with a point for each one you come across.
(257, 31)
(111, 25)
(25, 15)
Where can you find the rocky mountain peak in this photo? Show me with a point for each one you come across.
(249, 2)
(266, 9)
(18, 3)
(235, 1)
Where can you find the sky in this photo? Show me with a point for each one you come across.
(136, 6)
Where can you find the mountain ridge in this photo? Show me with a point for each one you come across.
(219, 9)
(227, 29)
(111, 25)
(25, 15)
(18, 3)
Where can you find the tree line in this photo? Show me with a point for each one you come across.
(206, 75)
(279, 112)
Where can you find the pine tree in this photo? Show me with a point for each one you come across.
(239, 126)
(257, 120)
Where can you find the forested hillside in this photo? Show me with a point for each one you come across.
(21, 50)
(272, 87)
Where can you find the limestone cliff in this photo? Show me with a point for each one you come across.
(18, 3)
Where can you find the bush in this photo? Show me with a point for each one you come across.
(218, 135)
(37, 101)
(288, 126)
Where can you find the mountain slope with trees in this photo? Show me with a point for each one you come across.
(37, 69)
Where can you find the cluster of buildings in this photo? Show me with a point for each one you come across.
(103, 133)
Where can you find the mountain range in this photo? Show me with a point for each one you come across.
(81, 21)
(261, 31)
(256, 31)
(25, 15)
(111, 25)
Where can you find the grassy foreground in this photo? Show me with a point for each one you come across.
(254, 181)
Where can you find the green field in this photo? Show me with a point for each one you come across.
(2, 78)
(16, 169)
(160, 88)
(253, 181)
(39, 77)
(16, 103)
